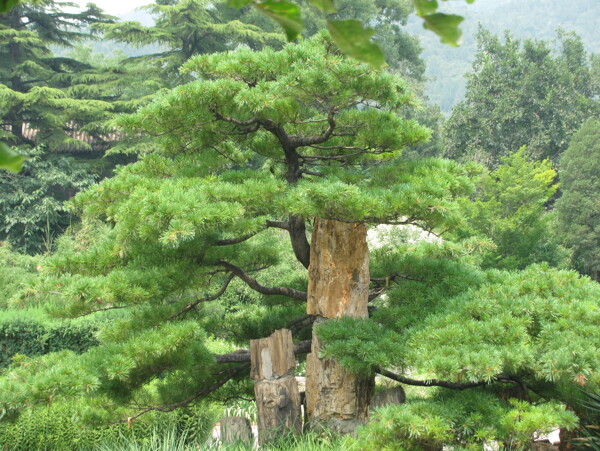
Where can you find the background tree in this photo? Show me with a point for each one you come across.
(33, 202)
(186, 28)
(34, 82)
(50, 104)
(522, 94)
(508, 207)
(578, 207)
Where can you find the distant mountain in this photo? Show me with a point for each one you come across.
(538, 19)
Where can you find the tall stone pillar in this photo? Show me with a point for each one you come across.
(338, 286)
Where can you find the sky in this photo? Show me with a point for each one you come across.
(115, 7)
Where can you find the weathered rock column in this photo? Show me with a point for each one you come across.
(275, 387)
(338, 286)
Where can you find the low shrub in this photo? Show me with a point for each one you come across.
(34, 337)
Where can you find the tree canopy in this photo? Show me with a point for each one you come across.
(509, 208)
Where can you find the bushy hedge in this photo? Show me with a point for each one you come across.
(32, 338)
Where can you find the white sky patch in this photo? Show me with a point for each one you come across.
(115, 7)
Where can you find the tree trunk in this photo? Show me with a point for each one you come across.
(275, 387)
(236, 430)
(338, 286)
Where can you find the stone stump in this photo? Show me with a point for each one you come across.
(275, 387)
(236, 430)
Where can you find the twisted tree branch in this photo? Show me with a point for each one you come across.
(256, 286)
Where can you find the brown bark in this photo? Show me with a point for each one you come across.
(275, 387)
(338, 286)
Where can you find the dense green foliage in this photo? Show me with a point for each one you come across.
(33, 203)
(46, 103)
(508, 207)
(578, 208)
(53, 95)
(184, 29)
(17, 273)
(263, 137)
(522, 93)
(466, 421)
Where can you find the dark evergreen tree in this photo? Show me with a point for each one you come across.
(45, 98)
(50, 104)
(33, 201)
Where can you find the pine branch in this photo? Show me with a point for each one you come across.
(228, 375)
(278, 225)
(256, 286)
(95, 311)
(316, 139)
(212, 297)
(439, 383)
(241, 239)
(393, 277)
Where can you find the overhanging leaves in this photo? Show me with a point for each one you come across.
(355, 41)
(445, 26)
(324, 5)
(285, 14)
(5, 5)
(238, 3)
(9, 159)
(423, 7)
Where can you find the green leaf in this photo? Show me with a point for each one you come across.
(355, 41)
(424, 7)
(238, 3)
(445, 26)
(324, 5)
(5, 5)
(286, 14)
(9, 159)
